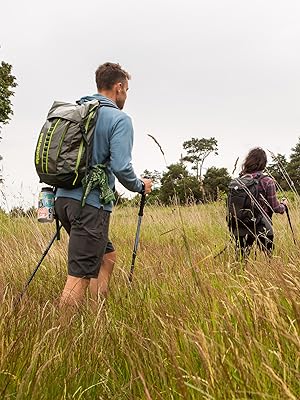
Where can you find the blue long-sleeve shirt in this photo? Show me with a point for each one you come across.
(113, 141)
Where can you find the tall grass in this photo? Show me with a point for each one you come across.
(193, 324)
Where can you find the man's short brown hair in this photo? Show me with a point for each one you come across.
(108, 74)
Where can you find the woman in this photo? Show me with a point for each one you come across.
(253, 167)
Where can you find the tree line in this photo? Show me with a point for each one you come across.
(184, 181)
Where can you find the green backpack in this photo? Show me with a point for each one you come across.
(64, 147)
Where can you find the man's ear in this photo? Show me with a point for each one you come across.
(117, 87)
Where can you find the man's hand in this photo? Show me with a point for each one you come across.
(284, 201)
(148, 185)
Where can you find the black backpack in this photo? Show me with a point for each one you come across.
(64, 147)
(243, 207)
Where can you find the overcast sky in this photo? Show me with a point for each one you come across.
(223, 68)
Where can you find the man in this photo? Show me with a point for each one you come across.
(88, 226)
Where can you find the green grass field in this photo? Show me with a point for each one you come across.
(191, 326)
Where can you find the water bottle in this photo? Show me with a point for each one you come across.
(45, 212)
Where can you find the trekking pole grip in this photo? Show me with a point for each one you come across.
(142, 205)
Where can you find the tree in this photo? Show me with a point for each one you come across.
(197, 152)
(278, 170)
(293, 167)
(17, 212)
(7, 83)
(216, 180)
(178, 185)
(154, 175)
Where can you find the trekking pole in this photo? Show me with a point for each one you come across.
(289, 219)
(137, 236)
(222, 251)
(37, 267)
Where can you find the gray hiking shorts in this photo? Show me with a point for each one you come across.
(88, 236)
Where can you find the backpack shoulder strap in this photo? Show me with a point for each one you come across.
(262, 192)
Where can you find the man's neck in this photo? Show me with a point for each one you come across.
(109, 94)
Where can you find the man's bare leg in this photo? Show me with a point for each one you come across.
(74, 291)
(99, 287)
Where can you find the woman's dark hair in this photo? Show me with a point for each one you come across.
(256, 160)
